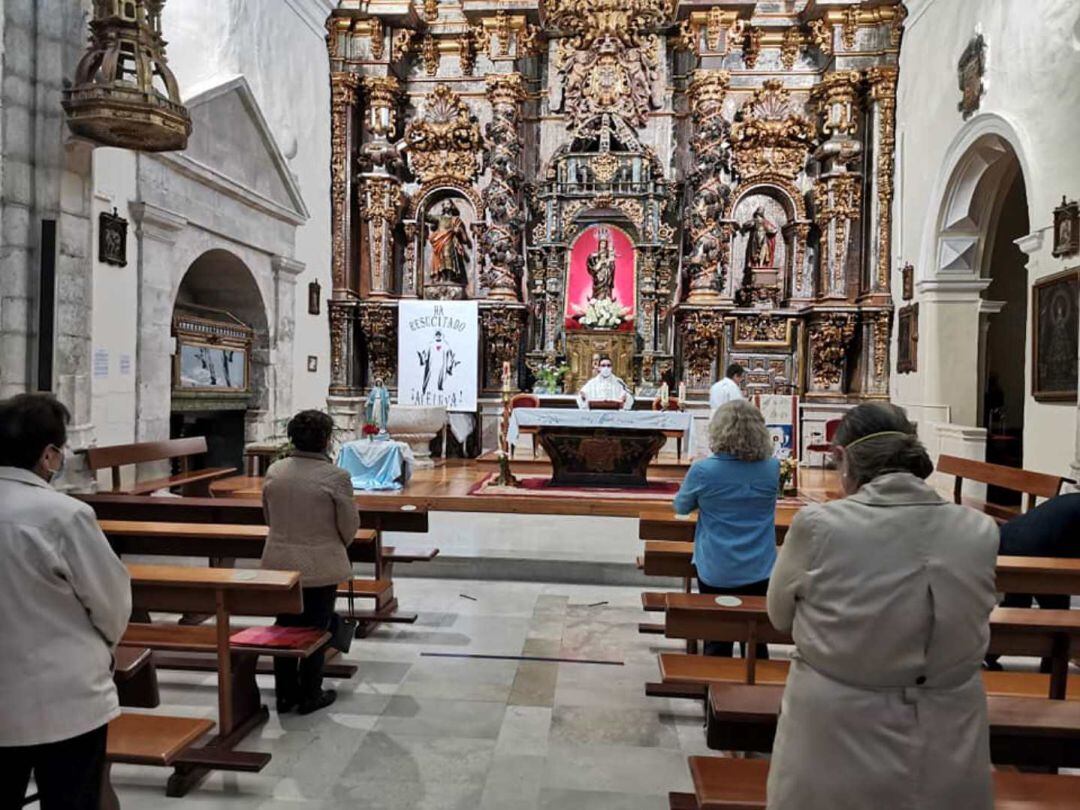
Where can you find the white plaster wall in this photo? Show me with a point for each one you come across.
(114, 322)
(1033, 58)
(279, 48)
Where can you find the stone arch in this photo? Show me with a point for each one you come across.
(218, 279)
(790, 245)
(983, 167)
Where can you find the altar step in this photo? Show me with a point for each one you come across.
(523, 463)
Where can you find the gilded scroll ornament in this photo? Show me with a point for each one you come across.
(821, 34)
(772, 136)
(446, 140)
(701, 331)
(829, 341)
(379, 325)
(881, 322)
(752, 46)
(429, 52)
(431, 10)
(500, 246)
(850, 27)
(790, 47)
(376, 36)
(762, 330)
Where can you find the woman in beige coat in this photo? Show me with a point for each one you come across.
(309, 507)
(887, 594)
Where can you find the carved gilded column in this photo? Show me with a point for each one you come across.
(837, 194)
(501, 243)
(378, 322)
(704, 244)
(381, 196)
(883, 95)
(343, 349)
(836, 207)
(342, 101)
(379, 208)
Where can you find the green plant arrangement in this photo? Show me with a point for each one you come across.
(549, 378)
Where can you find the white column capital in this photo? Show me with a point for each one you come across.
(155, 222)
(286, 268)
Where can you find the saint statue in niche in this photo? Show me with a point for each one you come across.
(450, 245)
(601, 266)
(761, 246)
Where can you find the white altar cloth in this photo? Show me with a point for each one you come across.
(565, 417)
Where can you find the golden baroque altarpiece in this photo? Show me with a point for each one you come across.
(744, 149)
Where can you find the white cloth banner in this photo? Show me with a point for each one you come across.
(438, 353)
(564, 417)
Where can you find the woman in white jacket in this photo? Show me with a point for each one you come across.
(887, 594)
(65, 599)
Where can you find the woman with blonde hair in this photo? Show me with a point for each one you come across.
(734, 491)
(887, 594)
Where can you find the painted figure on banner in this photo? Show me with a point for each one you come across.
(761, 246)
(438, 363)
(605, 387)
(601, 266)
(377, 408)
(450, 245)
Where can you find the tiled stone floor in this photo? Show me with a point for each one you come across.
(414, 732)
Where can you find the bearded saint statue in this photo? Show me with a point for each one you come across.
(761, 246)
(450, 245)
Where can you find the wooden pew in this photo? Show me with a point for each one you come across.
(190, 481)
(148, 739)
(248, 512)
(247, 542)
(1013, 631)
(1024, 731)
(1037, 575)
(224, 592)
(722, 783)
(1028, 483)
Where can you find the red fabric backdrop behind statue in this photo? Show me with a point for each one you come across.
(579, 285)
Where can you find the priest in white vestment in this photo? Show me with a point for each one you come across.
(605, 386)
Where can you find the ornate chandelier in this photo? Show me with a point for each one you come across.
(124, 94)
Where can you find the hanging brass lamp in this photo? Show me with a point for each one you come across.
(124, 94)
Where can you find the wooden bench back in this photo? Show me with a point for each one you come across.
(1033, 484)
(119, 455)
(1013, 631)
(247, 511)
(243, 591)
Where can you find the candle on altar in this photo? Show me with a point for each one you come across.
(506, 376)
(665, 394)
(682, 393)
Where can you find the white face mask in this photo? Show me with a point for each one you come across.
(605, 371)
(56, 473)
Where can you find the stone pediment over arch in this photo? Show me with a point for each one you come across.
(233, 148)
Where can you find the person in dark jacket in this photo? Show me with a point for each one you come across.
(1051, 529)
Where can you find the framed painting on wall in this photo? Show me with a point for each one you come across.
(907, 339)
(1055, 305)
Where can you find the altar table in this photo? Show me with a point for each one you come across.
(376, 464)
(563, 417)
(600, 448)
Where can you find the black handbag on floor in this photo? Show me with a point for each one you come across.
(344, 628)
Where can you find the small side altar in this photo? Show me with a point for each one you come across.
(600, 448)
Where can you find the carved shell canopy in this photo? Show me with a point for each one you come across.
(446, 141)
(771, 137)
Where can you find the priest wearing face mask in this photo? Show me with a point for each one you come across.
(65, 598)
(605, 387)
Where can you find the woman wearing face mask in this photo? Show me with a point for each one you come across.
(887, 594)
(65, 599)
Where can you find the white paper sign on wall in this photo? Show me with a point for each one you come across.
(438, 353)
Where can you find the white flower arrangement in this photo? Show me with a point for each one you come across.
(602, 313)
